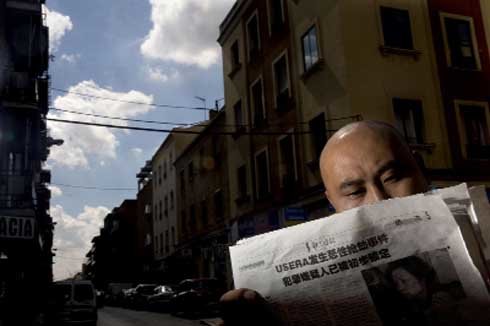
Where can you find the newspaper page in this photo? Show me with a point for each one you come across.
(398, 262)
(462, 205)
(481, 212)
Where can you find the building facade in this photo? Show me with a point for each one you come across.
(164, 211)
(307, 68)
(26, 229)
(144, 222)
(460, 32)
(203, 204)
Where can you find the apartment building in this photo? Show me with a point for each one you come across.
(144, 222)
(269, 177)
(26, 229)
(461, 34)
(203, 203)
(164, 211)
(306, 68)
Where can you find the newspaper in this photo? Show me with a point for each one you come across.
(480, 212)
(398, 262)
(467, 211)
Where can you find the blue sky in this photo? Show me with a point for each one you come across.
(150, 51)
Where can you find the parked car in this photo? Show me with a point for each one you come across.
(139, 298)
(161, 298)
(127, 297)
(72, 303)
(197, 296)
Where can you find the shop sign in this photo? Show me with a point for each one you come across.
(14, 227)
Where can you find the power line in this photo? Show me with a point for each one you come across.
(92, 188)
(124, 119)
(177, 131)
(169, 123)
(166, 106)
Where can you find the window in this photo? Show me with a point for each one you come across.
(311, 49)
(262, 173)
(164, 170)
(159, 174)
(235, 56)
(173, 236)
(396, 26)
(287, 159)
(160, 210)
(156, 212)
(476, 140)
(276, 13)
(318, 134)
(219, 202)
(172, 203)
(242, 181)
(409, 119)
(238, 111)
(170, 162)
(167, 242)
(204, 213)
(182, 182)
(165, 212)
(156, 245)
(281, 82)
(253, 37)
(460, 41)
(258, 103)
(190, 171)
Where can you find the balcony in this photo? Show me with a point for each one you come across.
(28, 39)
(43, 94)
(15, 190)
(20, 88)
(30, 5)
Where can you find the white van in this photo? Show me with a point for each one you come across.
(74, 303)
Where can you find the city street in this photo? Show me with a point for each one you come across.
(110, 316)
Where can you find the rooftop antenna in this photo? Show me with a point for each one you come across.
(202, 99)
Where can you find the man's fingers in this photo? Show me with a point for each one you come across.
(246, 307)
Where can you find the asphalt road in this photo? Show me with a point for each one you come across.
(110, 316)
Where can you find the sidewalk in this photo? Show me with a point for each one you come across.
(212, 322)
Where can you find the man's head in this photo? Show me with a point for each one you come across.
(366, 162)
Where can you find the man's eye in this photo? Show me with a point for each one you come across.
(392, 177)
(356, 193)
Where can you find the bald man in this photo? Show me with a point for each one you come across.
(362, 163)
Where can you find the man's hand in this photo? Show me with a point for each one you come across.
(246, 307)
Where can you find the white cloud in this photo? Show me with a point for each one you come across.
(156, 74)
(55, 191)
(70, 58)
(58, 25)
(137, 152)
(185, 31)
(72, 237)
(85, 143)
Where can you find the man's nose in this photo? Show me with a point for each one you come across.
(375, 194)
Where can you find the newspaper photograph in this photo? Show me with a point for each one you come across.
(398, 262)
